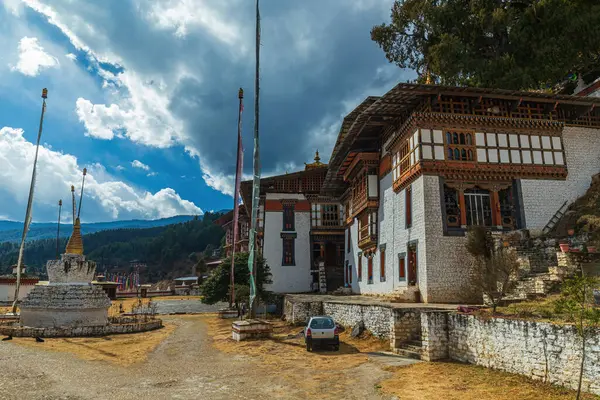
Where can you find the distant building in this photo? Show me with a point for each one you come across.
(8, 284)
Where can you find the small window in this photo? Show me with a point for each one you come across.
(288, 218)
(370, 269)
(408, 207)
(288, 252)
(349, 239)
(401, 267)
(359, 267)
(322, 323)
(382, 264)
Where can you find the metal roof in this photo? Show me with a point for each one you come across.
(187, 278)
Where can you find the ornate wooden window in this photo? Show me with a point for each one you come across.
(363, 226)
(288, 251)
(452, 201)
(460, 146)
(402, 266)
(370, 268)
(408, 206)
(359, 267)
(359, 191)
(478, 207)
(507, 208)
(382, 264)
(288, 217)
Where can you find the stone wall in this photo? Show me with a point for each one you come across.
(377, 319)
(84, 331)
(434, 336)
(541, 351)
(298, 312)
(406, 327)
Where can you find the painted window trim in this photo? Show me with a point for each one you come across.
(382, 260)
(293, 218)
(292, 238)
(359, 268)
(408, 207)
(402, 256)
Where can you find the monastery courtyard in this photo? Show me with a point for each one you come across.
(193, 357)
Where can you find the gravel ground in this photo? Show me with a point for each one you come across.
(184, 366)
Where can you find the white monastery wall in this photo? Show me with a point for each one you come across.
(395, 236)
(542, 198)
(448, 264)
(7, 292)
(287, 278)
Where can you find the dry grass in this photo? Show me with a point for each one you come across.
(288, 358)
(122, 350)
(540, 309)
(452, 381)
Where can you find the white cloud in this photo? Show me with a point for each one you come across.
(71, 56)
(181, 15)
(152, 174)
(139, 164)
(33, 58)
(120, 168)
(57, 171)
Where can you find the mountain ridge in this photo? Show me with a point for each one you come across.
(11, 231)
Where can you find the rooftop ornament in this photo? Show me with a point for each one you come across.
(316, 164)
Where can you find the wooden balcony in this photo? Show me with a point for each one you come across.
(366, 240)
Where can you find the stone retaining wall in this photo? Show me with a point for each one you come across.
(84, 331)
(384, 321)
(542, 351)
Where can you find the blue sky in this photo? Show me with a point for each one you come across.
(143, 93)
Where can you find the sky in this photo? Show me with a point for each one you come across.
(143, 93)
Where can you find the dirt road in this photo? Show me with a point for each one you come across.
(184, 366)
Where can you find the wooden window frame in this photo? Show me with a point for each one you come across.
(382, 263)
(349, 239)
(370, 270)
(408, 206)
(359, 268)
(402, 267)
(292, 256)
(470, 150)
(288, 218)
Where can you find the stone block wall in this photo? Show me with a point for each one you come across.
(434, 336)
(377, 320)
(406, 327)
(298, 312)
(541, 351)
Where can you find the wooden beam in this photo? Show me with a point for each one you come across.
(515, 104)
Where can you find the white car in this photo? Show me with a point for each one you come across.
(321, 331)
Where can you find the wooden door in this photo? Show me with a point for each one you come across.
(412, 266)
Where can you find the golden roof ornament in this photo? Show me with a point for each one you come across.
(316, 164)
(75, 243)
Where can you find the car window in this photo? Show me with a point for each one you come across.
(322, 323)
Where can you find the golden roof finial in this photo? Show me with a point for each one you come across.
(317, 162)
(75, 244)
(428, 79)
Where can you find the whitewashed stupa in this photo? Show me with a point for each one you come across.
(69, 299)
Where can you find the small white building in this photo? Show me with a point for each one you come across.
(8, 284)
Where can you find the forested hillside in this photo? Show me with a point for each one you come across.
(166, 250)
(11, 231)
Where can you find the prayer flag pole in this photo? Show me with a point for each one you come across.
(256, 175)
(236, 195)
(27, 221)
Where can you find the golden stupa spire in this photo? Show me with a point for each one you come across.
(75, 243)
(317, 162)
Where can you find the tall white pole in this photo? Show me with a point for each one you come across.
(27, 221)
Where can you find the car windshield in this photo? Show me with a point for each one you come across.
(322, 323)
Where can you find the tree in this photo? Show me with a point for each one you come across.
(495, 267)
(511, 44)
(577, 305)
(216, 287)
